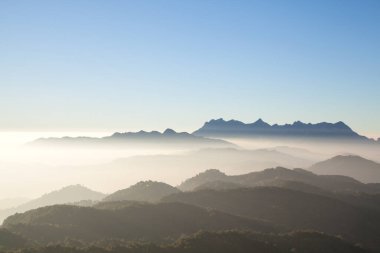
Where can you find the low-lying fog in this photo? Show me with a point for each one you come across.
(28, 171)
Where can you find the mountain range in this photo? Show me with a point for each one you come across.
(217, 128)
(221, 128)
(169, 138)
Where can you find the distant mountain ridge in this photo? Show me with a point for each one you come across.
(142, 138)
(218, 128)
(234, 128)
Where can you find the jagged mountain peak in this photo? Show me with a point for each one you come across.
(260, 128)
(169, 131)
(221, 121)
(260, 123)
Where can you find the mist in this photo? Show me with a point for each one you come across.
(30, 171)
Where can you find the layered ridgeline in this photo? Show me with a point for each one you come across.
(341, 188)
(233, 128)
(274, 200)
(296, 199)
(215, 179)
(68, 194)
(168, 138)
(271, 201)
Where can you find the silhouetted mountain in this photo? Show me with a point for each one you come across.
(234, 128)
(353, 166)
(266, 177)
(220, 242)
(169, 138)
(69, 194)
(293, 209)
(152, 222)
(143, 191)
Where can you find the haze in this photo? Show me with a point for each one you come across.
(30, 171)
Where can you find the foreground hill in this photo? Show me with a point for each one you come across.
(353, 166)
(69, 194)
(270, 201)
(224, 242)
(152, 222)
(143, 191)
(293, 209)
(168, 139)
(266, 177)
(10, 240)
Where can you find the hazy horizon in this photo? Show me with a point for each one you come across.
(29, 171)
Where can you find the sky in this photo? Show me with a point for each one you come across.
(89, 65)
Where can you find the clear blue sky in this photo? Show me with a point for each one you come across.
(128, 65)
